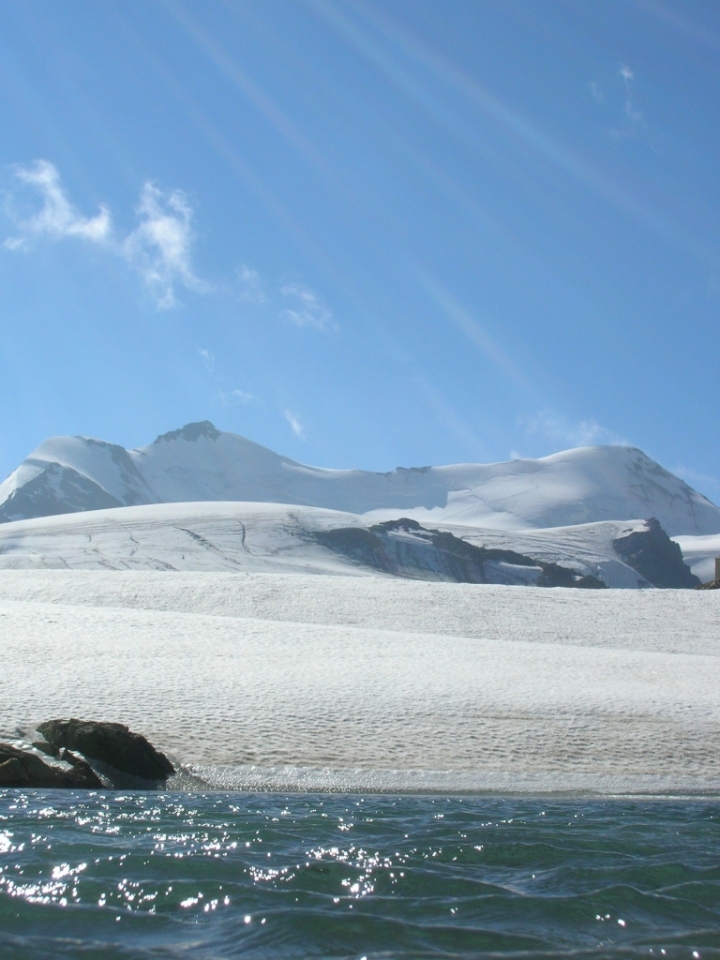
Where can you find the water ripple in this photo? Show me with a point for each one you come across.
(227, 875)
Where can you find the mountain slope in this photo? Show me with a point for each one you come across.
(70, 474)
(201, 463)
(277, 538)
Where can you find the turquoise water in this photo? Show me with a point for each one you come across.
(237, 875)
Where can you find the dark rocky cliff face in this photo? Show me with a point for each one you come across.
(56, 490)
(406, 549)
(191, 432)
(656, 557)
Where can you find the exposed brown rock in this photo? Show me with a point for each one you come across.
(20, 768)
(110, 743)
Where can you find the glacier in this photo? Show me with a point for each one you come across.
(201, 499)
(189, 588)
(200, 463)
(281, 681)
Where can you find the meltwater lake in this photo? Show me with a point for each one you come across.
(218, 875)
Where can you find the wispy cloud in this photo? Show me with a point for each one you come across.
(295, 425)
(617, 98)
(159, 248)
(208, 360)
(230, 397)
(243, 396)
(560, 429)
(628, 78)
(57, 218)
(251, 286)
(307, 309)
(227, 397)
(291, 301)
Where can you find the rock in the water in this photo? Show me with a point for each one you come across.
(19, 768)
(13, 774)
(110, 743)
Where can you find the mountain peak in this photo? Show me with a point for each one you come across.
(579, 486)
(192, 432)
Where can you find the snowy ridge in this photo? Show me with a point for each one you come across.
(276, 538)
(201, 463)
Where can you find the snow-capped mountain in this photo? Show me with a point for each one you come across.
(200, 463)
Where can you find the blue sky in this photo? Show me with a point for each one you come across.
(363, 233)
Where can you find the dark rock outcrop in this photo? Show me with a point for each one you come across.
(406, 549)
(656, 557)
(20, 768)
(553, 575)
(110, 743)
(56, 489)
(191, 432)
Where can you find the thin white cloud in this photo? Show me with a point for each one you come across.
(597, 91)
(160, 248)
(230, 398)
(226, 397)
(628, 77)
(629, 121)
(57, 218)
(208, 360)
(307, 308)
(251, 286)
(559, 429)
(242, 396)
(295, 425)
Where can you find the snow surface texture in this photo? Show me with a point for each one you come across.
(266, 537)
(199, 463)
(699, 554)
(286, 681)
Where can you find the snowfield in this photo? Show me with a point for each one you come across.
(226, 602)
(268, 680)
(268, 537)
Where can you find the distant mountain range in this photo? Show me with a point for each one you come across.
(200, 463)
